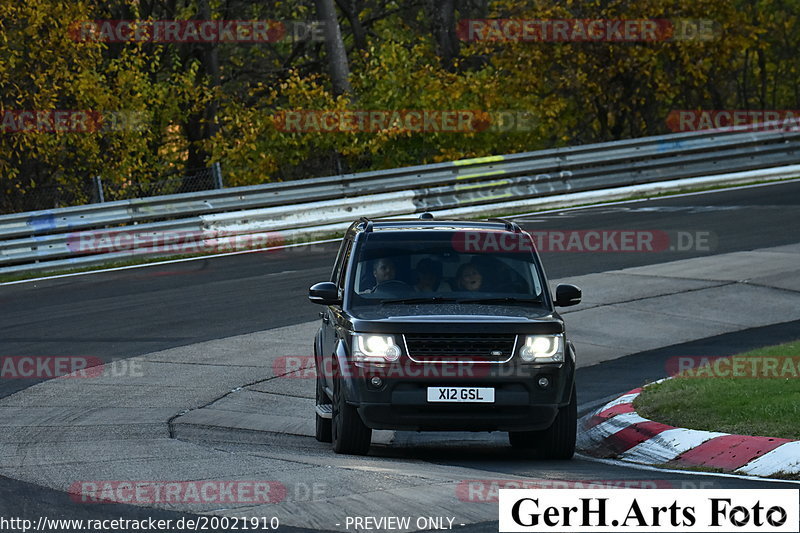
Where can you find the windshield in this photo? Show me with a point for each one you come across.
(445, 266)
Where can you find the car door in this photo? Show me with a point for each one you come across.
(330, 314)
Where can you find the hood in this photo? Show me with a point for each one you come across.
(441, 317)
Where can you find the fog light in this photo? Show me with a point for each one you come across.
(544, 382)
(376, 381)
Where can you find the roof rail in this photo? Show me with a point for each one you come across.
(367, 224)
(510, 226)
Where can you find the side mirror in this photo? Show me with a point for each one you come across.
(324, 293)
(567, 295)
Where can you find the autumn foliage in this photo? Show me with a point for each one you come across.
(186, 105)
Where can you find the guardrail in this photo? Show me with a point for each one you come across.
(51, 239)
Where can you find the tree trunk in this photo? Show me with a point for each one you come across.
(334, 46)
(350, 8)
(762, 70)
(443, 21)
(203, 125)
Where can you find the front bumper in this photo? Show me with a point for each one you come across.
(521, 404)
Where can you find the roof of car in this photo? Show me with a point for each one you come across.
(430, 223)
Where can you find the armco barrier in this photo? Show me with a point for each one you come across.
(38, 241)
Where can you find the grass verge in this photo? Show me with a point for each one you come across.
(754, 393)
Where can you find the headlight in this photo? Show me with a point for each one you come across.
(543, 349)
(375, 349)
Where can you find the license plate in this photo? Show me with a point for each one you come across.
(461, 394)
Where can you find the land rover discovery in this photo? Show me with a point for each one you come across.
(443, 325)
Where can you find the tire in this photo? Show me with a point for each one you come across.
(557, 441)
(323, 425)
(349, 433)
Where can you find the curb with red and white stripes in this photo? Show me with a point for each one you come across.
(617, 431)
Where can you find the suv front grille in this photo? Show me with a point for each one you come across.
(466, 348)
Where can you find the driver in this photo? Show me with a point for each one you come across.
(384, 270)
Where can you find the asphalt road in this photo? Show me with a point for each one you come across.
(130, 312)
(120, 314)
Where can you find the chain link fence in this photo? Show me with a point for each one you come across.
(17, 200)
(329, 162)
(96, 190)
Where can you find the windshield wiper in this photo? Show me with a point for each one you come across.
(429, 300)
(507, 299)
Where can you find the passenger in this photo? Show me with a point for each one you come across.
(469, 278)
(429, 275)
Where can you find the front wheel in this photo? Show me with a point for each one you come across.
(350, 434)
(557, 441)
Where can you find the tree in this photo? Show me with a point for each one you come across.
(334, 46)
(198, 103)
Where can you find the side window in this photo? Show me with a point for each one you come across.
(341, 261)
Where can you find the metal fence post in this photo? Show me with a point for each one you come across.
(98, 185)
(216, 171)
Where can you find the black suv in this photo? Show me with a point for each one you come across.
(443, 325)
